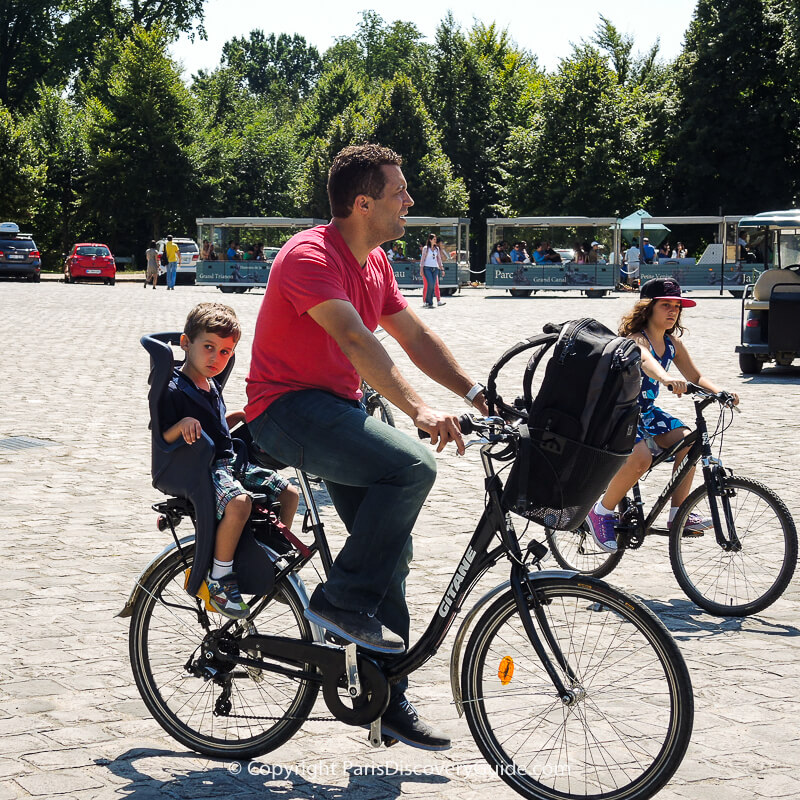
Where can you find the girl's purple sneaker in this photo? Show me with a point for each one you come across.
(602, 527)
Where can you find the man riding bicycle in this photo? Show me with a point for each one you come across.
(329, 289)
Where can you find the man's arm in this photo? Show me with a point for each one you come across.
(342, 322)
(428, 352)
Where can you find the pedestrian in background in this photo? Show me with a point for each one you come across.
(151, 266)
(430, 265)
(173, 255)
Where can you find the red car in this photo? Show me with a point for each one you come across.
(90, 261)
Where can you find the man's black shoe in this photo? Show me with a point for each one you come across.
(402, 722)
(365, 630)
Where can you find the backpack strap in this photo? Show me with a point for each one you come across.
(547, 338)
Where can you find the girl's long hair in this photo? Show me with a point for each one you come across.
(635, 321)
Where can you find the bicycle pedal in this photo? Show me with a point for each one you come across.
(389, 741)
(332, 638)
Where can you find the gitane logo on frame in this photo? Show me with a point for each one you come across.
(455, 584)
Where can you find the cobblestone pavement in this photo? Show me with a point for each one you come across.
(78, 529)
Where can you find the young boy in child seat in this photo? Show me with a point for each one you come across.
(193, 404)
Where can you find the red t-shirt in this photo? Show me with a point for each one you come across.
(290, 351)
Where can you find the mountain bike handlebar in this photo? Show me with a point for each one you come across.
(723, 398)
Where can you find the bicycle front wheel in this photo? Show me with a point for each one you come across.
(232, 712)
(577, 550)
(751, 575)
(629, 724)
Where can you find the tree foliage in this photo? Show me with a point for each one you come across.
(735, 139)
(141, 179)
(101, 138)
(276, 68)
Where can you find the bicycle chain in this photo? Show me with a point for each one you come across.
(278, 719)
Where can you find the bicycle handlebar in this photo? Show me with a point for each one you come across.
(724, 398)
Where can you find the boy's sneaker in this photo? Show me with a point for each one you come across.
(602, 527)
(695, 524)
(365, 630)
(442, 303)
(224, 596)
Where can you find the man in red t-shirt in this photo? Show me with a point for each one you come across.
(328, 290)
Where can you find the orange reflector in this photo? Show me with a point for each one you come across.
(506, 670)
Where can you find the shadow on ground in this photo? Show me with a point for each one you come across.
(685, 620)
(192, 776)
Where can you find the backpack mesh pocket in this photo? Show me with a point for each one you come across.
(554, 480)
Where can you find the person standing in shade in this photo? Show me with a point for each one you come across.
(173, 256)
(151, 274)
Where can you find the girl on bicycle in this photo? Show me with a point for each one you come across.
(654, 324)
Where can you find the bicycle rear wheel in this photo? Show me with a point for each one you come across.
(577, 550)
(239, 712)
(742, 581)
(629, 726)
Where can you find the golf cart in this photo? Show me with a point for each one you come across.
(771, 305)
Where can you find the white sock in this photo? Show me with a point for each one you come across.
(600, 509)
(220, 569)
(672, 512)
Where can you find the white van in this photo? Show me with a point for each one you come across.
(190, 253)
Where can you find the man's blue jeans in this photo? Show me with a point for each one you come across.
(378, 479)
(172, 273)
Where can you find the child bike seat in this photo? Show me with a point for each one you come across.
(184, 470)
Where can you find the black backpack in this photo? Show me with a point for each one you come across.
(163, 257)
(579, 428)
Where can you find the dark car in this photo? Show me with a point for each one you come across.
(19, 255)
(90, 261)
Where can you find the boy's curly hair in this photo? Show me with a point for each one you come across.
(635, 321)
(214, 318)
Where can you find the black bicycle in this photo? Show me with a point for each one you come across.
(740, 566)
(571, 688)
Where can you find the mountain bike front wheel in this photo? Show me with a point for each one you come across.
(745, 578)
(628, 725)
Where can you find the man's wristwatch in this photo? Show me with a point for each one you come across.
(473, 393)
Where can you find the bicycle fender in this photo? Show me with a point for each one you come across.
(294, 579)
(458, 644)
(127, 610)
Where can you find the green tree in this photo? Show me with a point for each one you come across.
(483, 87)
(52, 41)
(394, 116)
(141, 180)
(278, 68)
(585, 151)
(735, 139)
(402, 121)
(20, 175)
(338, 88)
(381, 50)
(56, 131)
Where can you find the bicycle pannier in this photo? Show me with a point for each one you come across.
(581, 425)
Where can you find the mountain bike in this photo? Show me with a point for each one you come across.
(571, 688)
(738, 567)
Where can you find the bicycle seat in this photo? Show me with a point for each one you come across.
(184, 470)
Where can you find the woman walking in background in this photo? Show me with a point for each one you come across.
(430, 266)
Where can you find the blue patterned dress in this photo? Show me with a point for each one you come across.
(653, 420)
